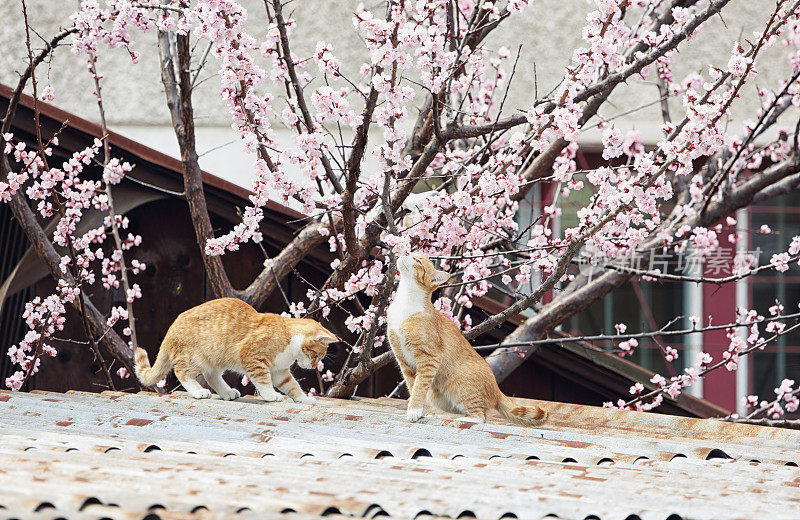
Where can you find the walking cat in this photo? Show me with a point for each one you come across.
(228, 334)
(435, 358)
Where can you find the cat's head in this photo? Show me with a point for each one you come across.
(315, 344)
(418, 268)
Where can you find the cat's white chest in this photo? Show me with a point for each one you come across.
(403, 306)
(285, 359)
(408, 300)
(395, 316)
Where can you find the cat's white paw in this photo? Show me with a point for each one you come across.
(272, 397)
(414, 414)
(230, 395)
(202, 393)
(306, 399)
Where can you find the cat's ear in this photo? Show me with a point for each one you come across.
(326, 339)
(439, 278)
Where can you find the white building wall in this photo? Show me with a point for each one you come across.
(548, 33)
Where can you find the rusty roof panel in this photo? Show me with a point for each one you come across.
(117, 455)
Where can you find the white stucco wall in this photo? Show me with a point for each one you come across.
(548, 33)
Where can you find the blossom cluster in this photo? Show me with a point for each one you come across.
(740, 344)
(44, 317)
(66, 194)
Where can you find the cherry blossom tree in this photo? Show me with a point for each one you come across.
(450, 177)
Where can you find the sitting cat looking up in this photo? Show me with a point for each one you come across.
(435, 358)
(228, 334)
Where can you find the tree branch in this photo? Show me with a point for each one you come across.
(23, 80)
(298, 90)
(350, 381)
(570, 302)
(179, 101)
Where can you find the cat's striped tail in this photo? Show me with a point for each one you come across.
(524, 415)
(148, 375)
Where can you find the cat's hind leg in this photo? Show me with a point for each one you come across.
(467, 418)
(219, 385)
(443, 401)
(467, 400)
(187, 375)
(452, 404)
(475, 414)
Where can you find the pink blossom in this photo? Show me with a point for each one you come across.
(671, 354)
(794, 247)
(325, 59)
(780, 261)
(627, 347)
(637, 388)
(612, 141)
(48, 93)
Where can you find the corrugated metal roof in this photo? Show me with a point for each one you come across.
(117, 455)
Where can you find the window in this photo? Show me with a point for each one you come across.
(780, 359)
(643, 306)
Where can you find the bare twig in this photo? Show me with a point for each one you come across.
(126, 287)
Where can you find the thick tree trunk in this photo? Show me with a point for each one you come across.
(179, 101)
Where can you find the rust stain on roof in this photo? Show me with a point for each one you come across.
(138, 422)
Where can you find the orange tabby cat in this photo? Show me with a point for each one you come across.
(435, 358)
(228, 334)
